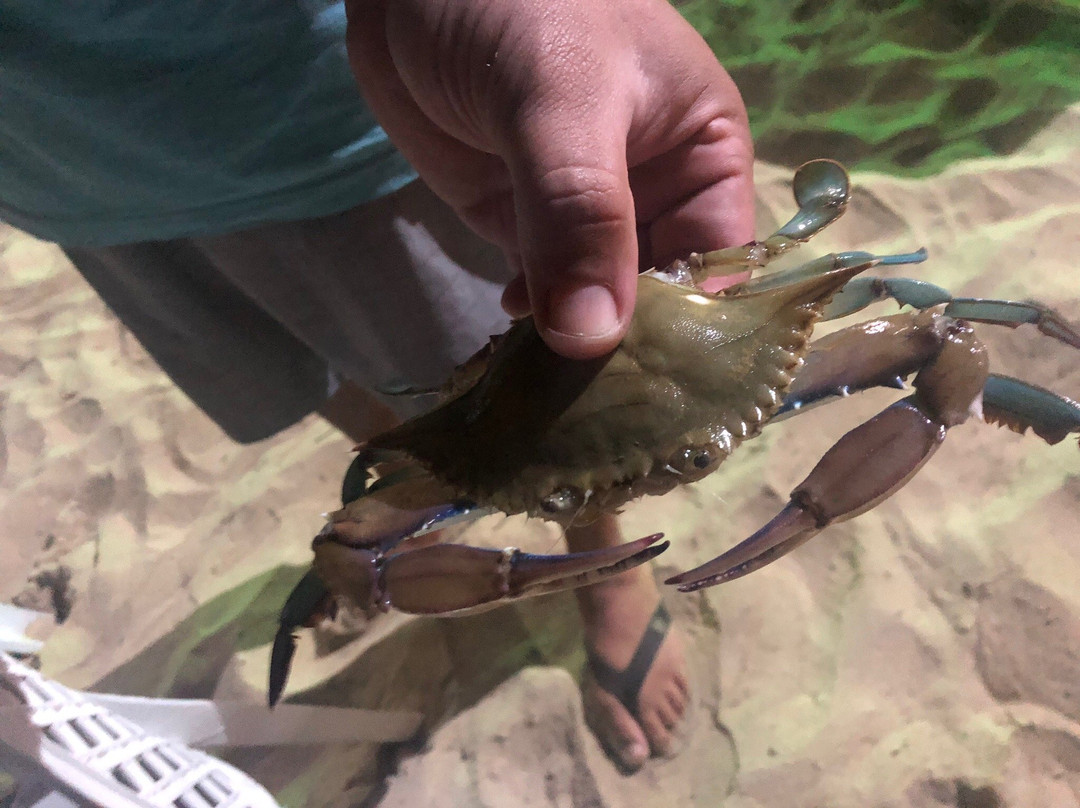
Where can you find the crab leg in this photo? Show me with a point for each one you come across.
(860, 292)
(454, 579)
(877, 458)
(822, 190)
(821, 266)
(438, 579)
(1020, 406)
(883, 352)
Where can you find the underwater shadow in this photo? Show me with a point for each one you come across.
(436, 666)
(187, 662)
(440, 666)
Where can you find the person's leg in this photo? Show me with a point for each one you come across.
(246, 371)
(616, 615)
(356, 413)
(393, 294)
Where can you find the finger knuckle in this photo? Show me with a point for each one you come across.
(584, 195)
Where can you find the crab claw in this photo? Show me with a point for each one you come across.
(437, 579)
(454, 579)
(789, 529)
(308, 603)
(844, 484)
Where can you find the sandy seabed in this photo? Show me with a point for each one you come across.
(924, 654)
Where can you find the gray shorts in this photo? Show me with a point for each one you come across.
(253, 326)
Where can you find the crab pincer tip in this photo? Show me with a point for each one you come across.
(281, 656)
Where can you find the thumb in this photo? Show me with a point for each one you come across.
(576, 227)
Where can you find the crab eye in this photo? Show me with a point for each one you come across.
(563, 499)
(695, 461)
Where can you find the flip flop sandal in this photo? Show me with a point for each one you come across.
(625, 685)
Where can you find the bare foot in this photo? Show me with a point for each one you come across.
(616, 614)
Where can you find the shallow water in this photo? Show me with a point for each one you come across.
(925, 654)
(900, 86)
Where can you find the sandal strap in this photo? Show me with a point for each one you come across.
(625, 684)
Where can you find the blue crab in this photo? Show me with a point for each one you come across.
(523, 430)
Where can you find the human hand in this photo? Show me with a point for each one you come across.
(569, 133)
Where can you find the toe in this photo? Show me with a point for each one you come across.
(677, 702)
(659, 735)
(669, 716)
(620, 735)
(682, 683)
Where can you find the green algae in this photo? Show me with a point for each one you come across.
(898, 86)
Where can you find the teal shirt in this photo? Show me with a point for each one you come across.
(138, 120)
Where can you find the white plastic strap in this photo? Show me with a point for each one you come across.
(209, 723)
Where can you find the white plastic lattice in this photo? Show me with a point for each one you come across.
(106, 759)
